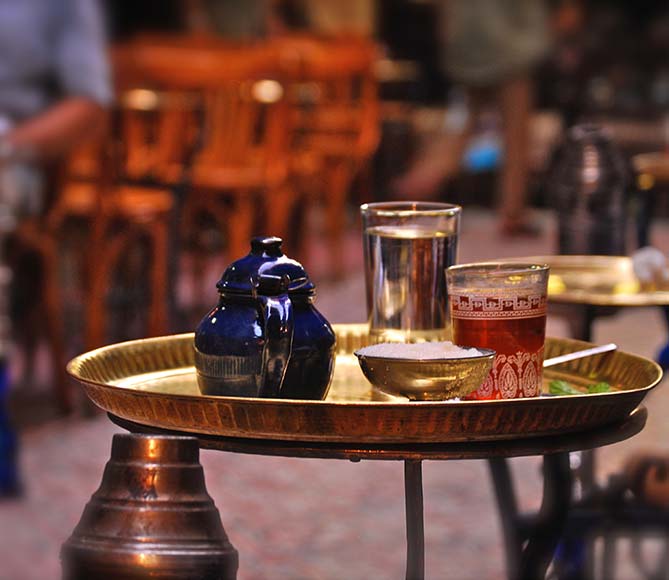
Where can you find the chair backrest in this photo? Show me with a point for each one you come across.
(243, 115)
(153, 129)
(147, 127)
(334, 88)
(153, 124)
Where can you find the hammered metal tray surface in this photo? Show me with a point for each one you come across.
(598, 281)
(152, 382)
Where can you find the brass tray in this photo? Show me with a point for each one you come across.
(152, 382)
(598, 281)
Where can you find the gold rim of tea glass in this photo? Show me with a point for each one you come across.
(410, 208)
(503, 267)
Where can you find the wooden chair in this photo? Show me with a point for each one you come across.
(239, 172)
(32, 243)
(118, 217)
(334, 122)
(113, 186)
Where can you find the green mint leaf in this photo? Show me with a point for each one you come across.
(562, 388)
(601, 387)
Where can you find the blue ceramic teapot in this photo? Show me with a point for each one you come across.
(265, 338)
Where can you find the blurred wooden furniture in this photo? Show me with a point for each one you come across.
(238, 176)
(262, 151)
(198, 128)
(119, 217)
(32, 243)
(334, 123)
(112, 185)
(155, 129)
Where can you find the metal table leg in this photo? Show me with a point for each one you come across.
(413, 492)
(580, 552)
(581, 321)
(551, 518)
(531, 542)
(507, 508)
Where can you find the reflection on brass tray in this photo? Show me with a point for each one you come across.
(598, 281)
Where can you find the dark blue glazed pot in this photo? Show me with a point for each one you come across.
(265, 338)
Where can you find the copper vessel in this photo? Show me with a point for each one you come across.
(150, 518)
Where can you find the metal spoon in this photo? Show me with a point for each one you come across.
(556, 360)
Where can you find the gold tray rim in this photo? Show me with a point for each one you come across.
(357, 421)
(78, 360)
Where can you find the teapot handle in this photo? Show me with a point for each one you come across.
(277, 314)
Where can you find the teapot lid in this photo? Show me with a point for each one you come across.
(265, 260)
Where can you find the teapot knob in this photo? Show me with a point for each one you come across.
(266, 245)
(268, 285)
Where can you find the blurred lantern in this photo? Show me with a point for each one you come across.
(587, 185)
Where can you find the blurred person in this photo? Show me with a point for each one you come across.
(490, 50)
(240, 20)
(248, 19)
(356, 17)
(232, 19)
(54, 77)
(54, 87)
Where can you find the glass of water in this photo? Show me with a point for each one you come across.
(407, 248)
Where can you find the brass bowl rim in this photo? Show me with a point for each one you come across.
(487, 353)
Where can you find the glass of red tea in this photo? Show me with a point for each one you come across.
(502, 306)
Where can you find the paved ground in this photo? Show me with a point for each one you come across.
(307, 519)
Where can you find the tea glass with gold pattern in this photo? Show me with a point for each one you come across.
(502, 306)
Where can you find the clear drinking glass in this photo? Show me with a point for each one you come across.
(502, 306)
(407, 247)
